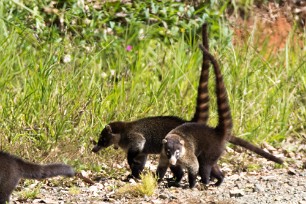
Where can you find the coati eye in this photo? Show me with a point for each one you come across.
(177, 153)
(168, 152)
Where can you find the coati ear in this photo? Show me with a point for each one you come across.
(94, 142)
(164, 141)
(182, 142)
(108, 128)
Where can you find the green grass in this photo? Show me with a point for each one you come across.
(49, 106)
(147, 186)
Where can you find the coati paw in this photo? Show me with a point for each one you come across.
(218, 183)
(173, 179)
(173, 183)
(205, 181)
(129, 177)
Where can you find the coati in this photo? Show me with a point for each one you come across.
(196, 146)
(13, 168)
(144, 136)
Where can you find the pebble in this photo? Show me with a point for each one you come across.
(163, 196)
(236, 193)
(258, 188)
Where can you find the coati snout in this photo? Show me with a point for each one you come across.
(106, 139)
(173, 149)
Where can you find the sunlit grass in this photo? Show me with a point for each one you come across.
(147, 186)
(61, 94)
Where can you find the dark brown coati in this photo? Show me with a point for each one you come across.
(138, 138)
(144, 136)
(13, 168)
(196, 146)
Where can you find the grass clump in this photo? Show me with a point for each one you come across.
(74, 190)
(30, 193)
(253, 167)
(145, 188)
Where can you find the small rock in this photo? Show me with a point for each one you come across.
(156, 201)
(234, 177)
(278, 198)
(304, 165)
(163, 196)
(268, 178)
(236, 193)
(291, 171)
(258, 188)
(93, 188)
(269, 147)
(132, 181)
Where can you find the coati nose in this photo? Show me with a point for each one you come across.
(172, 160)
(96, 148)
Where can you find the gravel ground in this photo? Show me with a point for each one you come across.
(249, 179)
(266, 186)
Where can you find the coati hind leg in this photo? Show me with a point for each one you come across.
(217, 174)
(205, 169)
(4, 197)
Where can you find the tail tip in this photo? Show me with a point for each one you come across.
(71, 172)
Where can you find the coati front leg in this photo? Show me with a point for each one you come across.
(193, 170)
(178, 172)
(8, 181)
(136, 161)
(162, 167)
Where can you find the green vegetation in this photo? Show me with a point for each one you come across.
(66, 70)
(145, 188)
(30, 193)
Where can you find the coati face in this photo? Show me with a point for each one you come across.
(174, 148)
(106, 139)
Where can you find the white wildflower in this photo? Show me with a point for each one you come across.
(67, 58)
(103, 75)
(112, 71)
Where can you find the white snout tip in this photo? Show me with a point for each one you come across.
(172, 160)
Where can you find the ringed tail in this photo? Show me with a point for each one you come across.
(225, 123)
(202, 107)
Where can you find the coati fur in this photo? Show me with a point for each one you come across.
(148, 133)
(138, 138)
(13, 168)
(196, 146)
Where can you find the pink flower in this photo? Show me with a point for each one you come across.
(129, 48)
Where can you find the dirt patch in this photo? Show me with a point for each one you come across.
(269, 27)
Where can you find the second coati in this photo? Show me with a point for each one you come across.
(144, 136)
(196, 146)
(13, 168)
